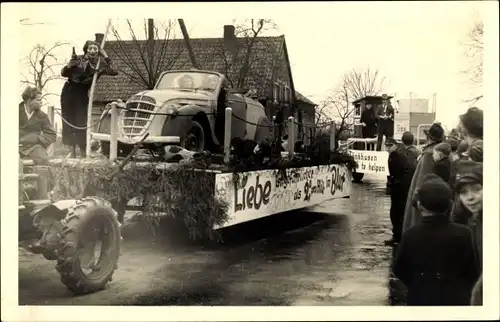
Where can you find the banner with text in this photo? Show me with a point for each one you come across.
(257, 194)
(374, 162)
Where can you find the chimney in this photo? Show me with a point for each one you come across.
(229, 31)
(230, 41)
(99, 37)
(151, 29)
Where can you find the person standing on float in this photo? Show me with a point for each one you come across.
(75, 93)
(369, 124)
(385, 117)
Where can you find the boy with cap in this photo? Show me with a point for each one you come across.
(442, 162)
(468, 208)
(436, 258)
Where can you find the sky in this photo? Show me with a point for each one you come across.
(417, 46)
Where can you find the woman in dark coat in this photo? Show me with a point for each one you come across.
(75, 93)
(369, 122)
(436, 258)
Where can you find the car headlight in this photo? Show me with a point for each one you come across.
(171, 109)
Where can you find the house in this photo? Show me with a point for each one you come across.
(269, 72)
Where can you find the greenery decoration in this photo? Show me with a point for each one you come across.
(184, 190)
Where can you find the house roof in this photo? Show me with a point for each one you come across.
(371, 97)
(302, 98)
(209, 55)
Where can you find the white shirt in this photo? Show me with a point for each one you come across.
(28, 114)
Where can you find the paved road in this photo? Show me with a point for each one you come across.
(333, 255)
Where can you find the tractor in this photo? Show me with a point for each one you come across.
(83, 235)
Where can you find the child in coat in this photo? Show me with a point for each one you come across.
(436, 258)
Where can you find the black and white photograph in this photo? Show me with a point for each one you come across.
(196, 157)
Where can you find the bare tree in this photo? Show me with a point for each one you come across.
(240, 55)
(474, 52)
(355, 84)
(43, 67)
(156, 54)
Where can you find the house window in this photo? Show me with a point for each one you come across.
(357, 109)
(276, 92)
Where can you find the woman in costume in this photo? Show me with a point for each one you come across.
(75, 93)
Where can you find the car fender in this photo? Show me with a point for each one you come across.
(180, 123)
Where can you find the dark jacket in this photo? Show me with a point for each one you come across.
(425, 165)
(80, 71)
(368, 117)
(37, 131)
(463, 216)
(412, 154)
(442, 168)
(399, 170)
(389, 113)
(437, 262)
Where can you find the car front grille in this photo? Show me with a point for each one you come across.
(138, 116)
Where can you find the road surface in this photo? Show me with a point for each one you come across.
(332, 255)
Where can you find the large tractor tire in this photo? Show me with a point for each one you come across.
(195, 138)
(91, 223)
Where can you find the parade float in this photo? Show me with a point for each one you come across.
(363, 150)
(141, 158)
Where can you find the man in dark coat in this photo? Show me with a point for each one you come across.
(400, 179)
(435, 135)
(369, 123)
(36, 133)
(385, 120)
(436, 258)
(411, 151)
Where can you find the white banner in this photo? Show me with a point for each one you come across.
(257, 194)
(374, 162)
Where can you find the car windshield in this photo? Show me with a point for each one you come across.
(189, 81)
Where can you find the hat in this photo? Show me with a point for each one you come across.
(384, 96)
(476, 151)
(472, 121)
(390, 141)
(443, 147)
(407, 138)
(468, 171)
(435, 132)
(434, 194)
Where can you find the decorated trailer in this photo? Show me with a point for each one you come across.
(74, 217)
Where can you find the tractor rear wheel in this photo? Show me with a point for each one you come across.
(89, 246)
